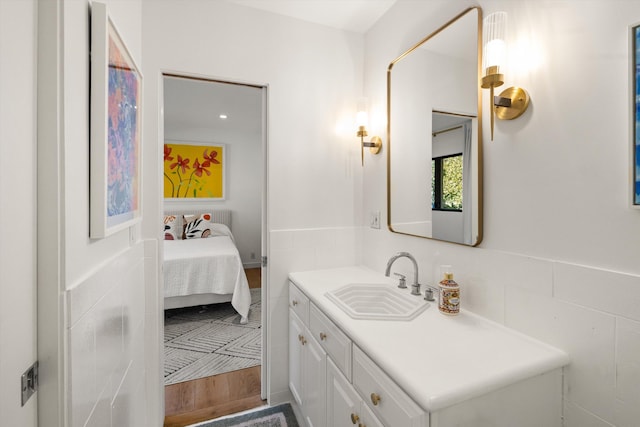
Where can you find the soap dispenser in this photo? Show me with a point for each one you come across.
(449, 301)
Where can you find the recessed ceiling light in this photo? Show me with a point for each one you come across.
(223, 116)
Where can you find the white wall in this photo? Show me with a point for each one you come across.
(91, 292)
(17, 206)
(314, 76)
(559, 260)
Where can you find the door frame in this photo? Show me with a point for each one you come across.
(264, 372)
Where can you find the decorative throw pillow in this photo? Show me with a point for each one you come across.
(171, 228)
(196, 226)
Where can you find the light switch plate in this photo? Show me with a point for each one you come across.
(374, 219)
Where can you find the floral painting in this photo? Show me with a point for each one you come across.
(123, 136)
(193, 171)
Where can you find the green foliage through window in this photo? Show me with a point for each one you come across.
(446, 183)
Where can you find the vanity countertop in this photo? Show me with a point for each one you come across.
(438, 360)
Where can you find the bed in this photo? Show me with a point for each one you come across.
(205, 270)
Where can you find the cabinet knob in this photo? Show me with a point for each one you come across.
(294, 303)
(375, 399)
(354, 418)
(323, 337)
(303, 341)
(300, 337)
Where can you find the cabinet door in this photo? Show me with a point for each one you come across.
(343, 401)
(367, 417)
(385, 399)
(314, 382)
(335, 342)
(296, 331)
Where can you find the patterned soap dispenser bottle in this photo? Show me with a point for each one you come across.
(449, 301)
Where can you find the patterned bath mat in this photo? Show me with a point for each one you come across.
(209, 340)
(272, 416)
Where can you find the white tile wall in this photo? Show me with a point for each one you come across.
(589, 312)
(298, 250)
(105, 329)
(586, 335)
(575, 416)
(612, 292)
(627, 404)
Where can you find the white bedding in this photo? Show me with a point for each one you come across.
(204, 266)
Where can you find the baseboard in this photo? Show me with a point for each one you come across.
(251, 264)
(282, 397)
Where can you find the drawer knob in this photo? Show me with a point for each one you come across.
(300, 337)
(303, 341)
(294, 303)
(323, 337)
(354, 418)
(375, 399)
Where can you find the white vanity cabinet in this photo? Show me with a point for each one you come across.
(429, 371)
(307, 364)
(321, 361)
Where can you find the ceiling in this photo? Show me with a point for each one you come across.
(349, 15)
(192, 109)
(192, 106)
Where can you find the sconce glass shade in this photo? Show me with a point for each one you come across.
(494, 36)
(494, 54)
(512, 102)
(362, 119)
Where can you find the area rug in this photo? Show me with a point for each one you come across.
(209, 340)
(272, 416)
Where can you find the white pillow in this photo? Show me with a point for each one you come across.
(220, 230)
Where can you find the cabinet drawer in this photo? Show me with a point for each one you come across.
(332, 339)
(299, 303)
(392, 405)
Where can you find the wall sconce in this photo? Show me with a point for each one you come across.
(362, 119)
(513, 101)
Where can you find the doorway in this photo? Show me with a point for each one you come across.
(209, 353)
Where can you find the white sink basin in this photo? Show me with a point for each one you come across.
(377, 301)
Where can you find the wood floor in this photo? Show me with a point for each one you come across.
(253, 277)
(212, 397)
(207, 398)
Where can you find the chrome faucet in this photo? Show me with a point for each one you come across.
(415, 287)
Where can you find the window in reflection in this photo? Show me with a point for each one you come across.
(446, 183)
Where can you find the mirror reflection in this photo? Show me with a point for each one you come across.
(434, 136)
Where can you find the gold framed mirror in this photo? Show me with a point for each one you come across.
(434, 134)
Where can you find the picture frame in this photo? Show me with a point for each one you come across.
(116, 130)
(194, 171)
(635, 115)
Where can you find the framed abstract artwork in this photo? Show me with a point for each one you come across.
(194, 171)
(115, 140)
(635, 115)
